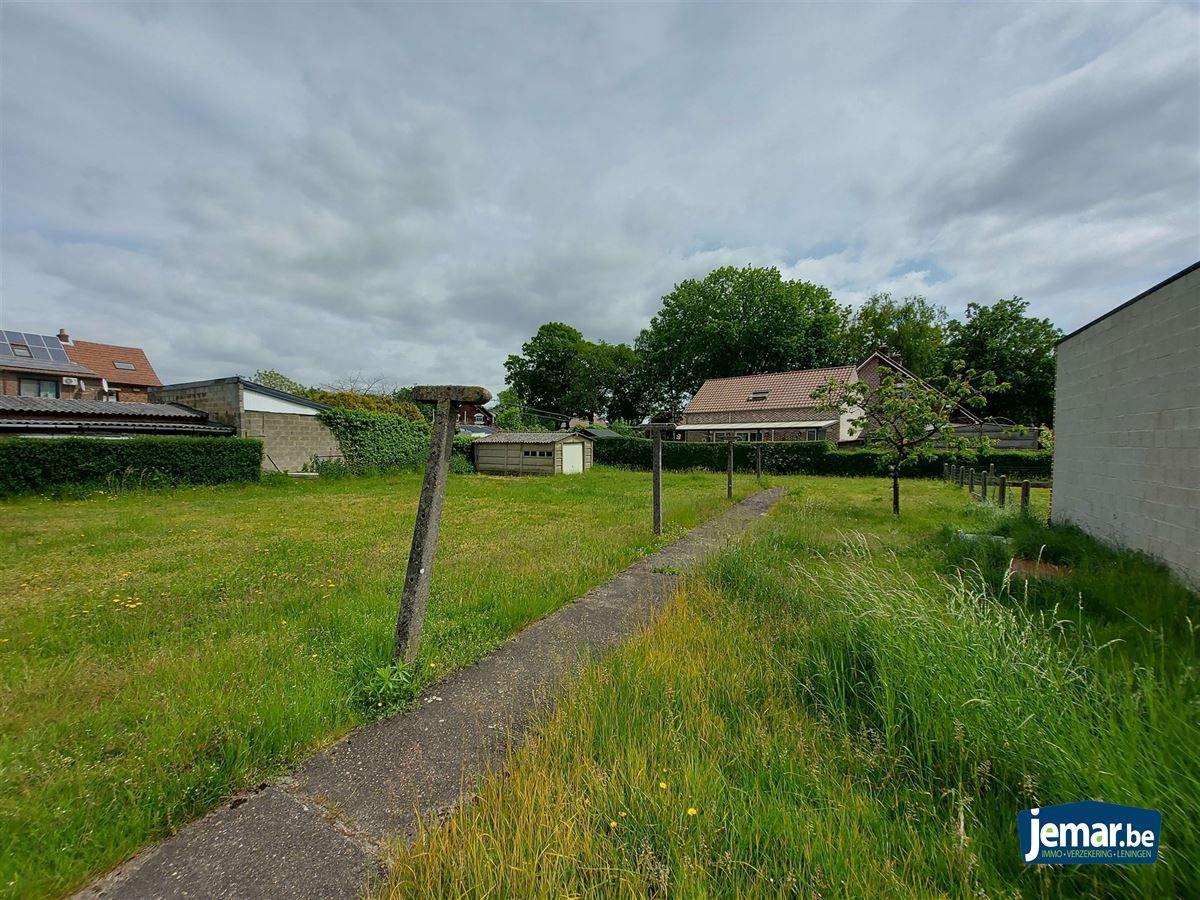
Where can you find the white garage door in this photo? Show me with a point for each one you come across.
(572, 458)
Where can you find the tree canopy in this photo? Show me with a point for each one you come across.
(560, 371)
(1018, 347)
(739, 322)
(912, 327)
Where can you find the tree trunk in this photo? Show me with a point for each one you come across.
(895, 491)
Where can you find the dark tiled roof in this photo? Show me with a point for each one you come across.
(47, 366)
(50, 406)
(528, 437)
(102, 359)
(785, 390)
(600, 433)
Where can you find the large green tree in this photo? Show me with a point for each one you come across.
(1019, 348)
(912, 327)
(738, 322)
(560, 371)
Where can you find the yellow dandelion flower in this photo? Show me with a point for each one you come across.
(612, 824)
(622, 815)
(691, 810)
(662, 785)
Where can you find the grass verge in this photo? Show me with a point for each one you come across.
(162, 650)
(850, 706)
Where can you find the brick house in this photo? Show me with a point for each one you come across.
(476, 414)
(59, 368)
(286, 424)
(778, 406)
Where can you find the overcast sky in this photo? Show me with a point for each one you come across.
(409, 191)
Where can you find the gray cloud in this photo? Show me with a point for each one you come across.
(411, 190)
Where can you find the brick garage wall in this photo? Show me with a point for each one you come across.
(1127, 427)
(290, 441)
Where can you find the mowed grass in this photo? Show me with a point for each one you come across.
(160, 651)
(851, 706)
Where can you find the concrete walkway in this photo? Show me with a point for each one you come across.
(320, 833)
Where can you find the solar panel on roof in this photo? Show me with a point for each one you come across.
(51, 341)
(58, 354)
(5, 350)
(15, 337)
(34, 340)
(39, 352)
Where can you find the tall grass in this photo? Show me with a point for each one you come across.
(159, 651)
(854, 707)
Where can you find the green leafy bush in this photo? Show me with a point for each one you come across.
(32, 465)
(377, 441)
(807, 458)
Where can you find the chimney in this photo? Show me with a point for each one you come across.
(64, 337)
(886, 352)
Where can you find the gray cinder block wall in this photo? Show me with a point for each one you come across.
(290, 439)
(1127, 425)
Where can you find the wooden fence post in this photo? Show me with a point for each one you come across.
(1025, 496)
(410, 621)
(729, 473)
(1001, 490)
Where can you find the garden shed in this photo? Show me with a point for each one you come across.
(533, 453)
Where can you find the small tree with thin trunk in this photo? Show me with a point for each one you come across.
(907, 417)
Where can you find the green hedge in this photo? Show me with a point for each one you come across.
(377, 441)
(807, 458)
(33, 465)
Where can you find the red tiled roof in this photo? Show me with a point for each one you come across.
(785, 390)
(101, 359)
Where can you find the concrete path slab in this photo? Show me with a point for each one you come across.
(320, 832)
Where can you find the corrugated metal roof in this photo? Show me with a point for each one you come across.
(784, 390)
(51, 406)
(529, 437)
(117, 426)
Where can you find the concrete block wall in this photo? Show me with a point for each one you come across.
(289, 441)
(1127, 427)
(222, 401)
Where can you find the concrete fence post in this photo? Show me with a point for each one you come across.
(991, 470)
(1001, 490)
(729, 473)
(656, 466)
(758, 462)
(971, 481)
(410, 621)
(1025, 496)
(983, 487)
(945, 471)
(961, 474)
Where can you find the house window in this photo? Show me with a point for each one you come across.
(38, 387)
(125, 366)
(749, 436)
(21, 350)
(808, 434)
(538, 453)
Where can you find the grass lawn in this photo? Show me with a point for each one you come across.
(159, 651)
(847, 705)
